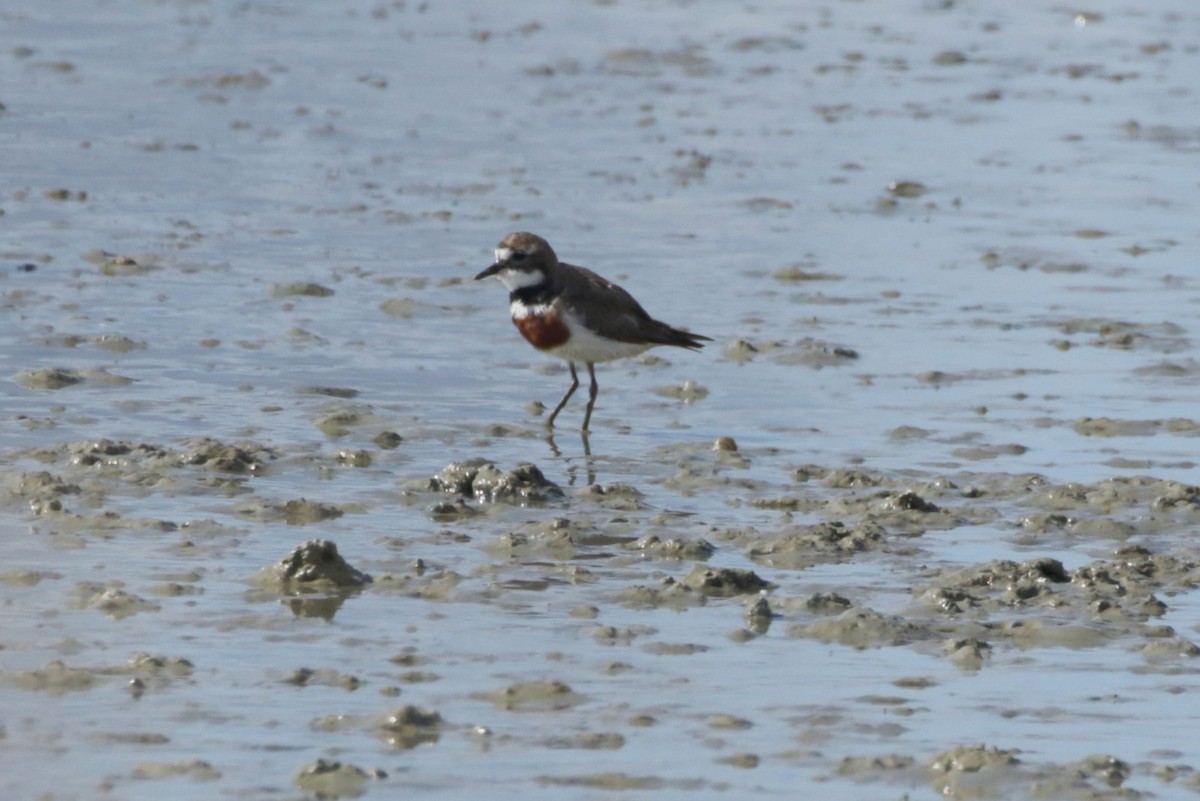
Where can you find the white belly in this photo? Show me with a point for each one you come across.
(584, 346)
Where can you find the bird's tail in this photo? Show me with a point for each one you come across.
(682, 339)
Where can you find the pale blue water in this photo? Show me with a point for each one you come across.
(381, 151)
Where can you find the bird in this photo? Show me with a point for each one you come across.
(574, 314)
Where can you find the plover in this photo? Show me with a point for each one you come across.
(574, 314)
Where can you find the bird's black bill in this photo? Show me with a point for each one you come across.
(490, 271)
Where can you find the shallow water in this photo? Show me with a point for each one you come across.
(954, 238)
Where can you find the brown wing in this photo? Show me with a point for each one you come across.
(616, 314)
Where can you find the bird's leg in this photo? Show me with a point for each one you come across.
(592, 392)
(570, 391)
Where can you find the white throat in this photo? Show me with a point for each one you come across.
(519, 279)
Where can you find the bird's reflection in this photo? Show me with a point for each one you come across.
(573, 469)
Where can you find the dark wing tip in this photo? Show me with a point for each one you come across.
(686, 339)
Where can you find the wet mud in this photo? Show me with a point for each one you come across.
(607, 547)
(281, 515)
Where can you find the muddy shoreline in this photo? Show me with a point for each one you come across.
(281, 515)
(497, 537)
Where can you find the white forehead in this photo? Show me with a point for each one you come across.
(503, 254)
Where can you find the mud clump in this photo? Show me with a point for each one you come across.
(296, 512)
(112, 600)
(837, 477)
(1122, 588)
(619, 497)
(327, 778)
(972, 771)
(482, 480)
(340, 422)
(299, 512)
(740, 351)
(860, 628)
(870, 767)
(1014, 583)
(1109, 427)
(302, 288)
(909, 501)
(449, 511)
(309, 677)
(314, 565)
(803, 546)
(51, 378)
(120, 264)
(559, 536)
(758, 615)
(56, 678)
(590, 741)
(827, 603)
(42, 486)
(1095, 776)
(100, 452)
(653, 547)
(688, 392)
(968, 653)
(388, 440)
(216, 455)
(411, 726)
(671, 595)
(723, 582)
(814, 353)
(354, 457)
(972, 759)
(195, 769)
(148, 665)
(1165, 337)
(606, 781)
(534, 696)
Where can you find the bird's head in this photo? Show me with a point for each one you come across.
(522, 260)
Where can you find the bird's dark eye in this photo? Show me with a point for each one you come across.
(519, 256)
